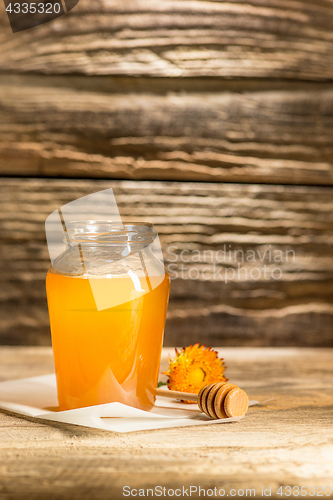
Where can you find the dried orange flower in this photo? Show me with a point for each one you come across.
(194, 367)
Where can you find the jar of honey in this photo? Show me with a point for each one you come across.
(107, 297)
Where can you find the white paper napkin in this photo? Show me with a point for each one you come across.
(37, 397)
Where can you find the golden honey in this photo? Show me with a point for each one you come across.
(107, 335)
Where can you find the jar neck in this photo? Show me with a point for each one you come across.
(124, 238)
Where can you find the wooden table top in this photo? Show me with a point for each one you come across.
(287, 442)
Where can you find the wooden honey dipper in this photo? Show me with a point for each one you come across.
(219, 400)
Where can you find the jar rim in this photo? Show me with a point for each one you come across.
(109, 232)
(111, 221)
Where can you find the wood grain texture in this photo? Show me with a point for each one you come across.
(178, 90)
(180, 38)
(255, 136)
(288, 441)
(208, 304)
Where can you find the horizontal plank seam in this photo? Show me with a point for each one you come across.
(228, 83)
(149, 179)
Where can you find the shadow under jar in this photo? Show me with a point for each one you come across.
(107, 298)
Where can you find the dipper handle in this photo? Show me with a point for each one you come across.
(185, 396)
(219, 400)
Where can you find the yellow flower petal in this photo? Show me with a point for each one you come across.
(193, 368)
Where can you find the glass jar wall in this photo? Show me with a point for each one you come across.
(107, 297)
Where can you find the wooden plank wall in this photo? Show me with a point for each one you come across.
(212, 119)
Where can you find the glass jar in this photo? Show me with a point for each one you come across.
(107, 298)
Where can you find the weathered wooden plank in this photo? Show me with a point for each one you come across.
(57, 461)
(257, 136)
(208, 303)
(172, 38)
